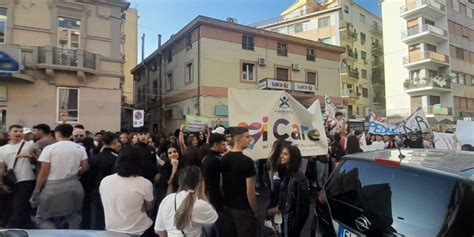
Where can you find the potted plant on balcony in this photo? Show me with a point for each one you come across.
(406, 83)
(441, 82)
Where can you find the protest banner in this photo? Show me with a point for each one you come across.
(315, 107)
(329, 109)
(272, 115)
(444, 141)
(416, 122)
(376, 126)
(465, 132)
(196, 123)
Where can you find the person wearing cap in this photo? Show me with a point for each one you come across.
(219, 130)
(28, 135)
(238, 188)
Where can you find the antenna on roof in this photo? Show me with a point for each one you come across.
(398, 141)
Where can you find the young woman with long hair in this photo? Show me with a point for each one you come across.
(353, 145)
(187, 211)
(292, 199)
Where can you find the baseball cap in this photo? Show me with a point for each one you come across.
(27, 130)
(219, 130)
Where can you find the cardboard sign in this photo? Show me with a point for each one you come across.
(416, 122)
(196, 123)
(444, 141)
(465, 132)
(272, 115)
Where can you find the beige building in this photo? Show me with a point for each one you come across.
(349, 25)
(129, 49)
(195, 68)
(432, 60)
(61, 57)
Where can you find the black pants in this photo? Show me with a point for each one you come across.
(237, 223)
(21, 207)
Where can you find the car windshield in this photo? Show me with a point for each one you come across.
(397, 200)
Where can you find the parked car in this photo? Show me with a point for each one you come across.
(427, 193)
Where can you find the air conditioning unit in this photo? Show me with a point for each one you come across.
(231, 19)
(296, 67)
(262, 61)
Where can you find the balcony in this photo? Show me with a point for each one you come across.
(425, 33)
(348, 33)
(349, 93)
(376, 29)
(422, 86)
(427, 58)
(350, 56)
(377, 64)
(429, 8)
(432, 111)
(377, 48)
(349, 73)
(74, 60)
(379, 100)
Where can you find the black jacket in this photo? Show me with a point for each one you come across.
(102, 165)
(151, 168)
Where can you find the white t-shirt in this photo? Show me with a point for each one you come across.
(203, 215)
(123, 199)
(23, 169)
(65, 158)
(376, 145)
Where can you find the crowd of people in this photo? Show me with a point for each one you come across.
(184, 184)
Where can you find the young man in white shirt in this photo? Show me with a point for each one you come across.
(58, 193)
(20, 216)
(126, 195)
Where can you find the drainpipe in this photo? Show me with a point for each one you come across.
(199, 72)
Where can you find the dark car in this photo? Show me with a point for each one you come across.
(427, 193)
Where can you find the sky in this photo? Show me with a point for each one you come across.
(167, 17)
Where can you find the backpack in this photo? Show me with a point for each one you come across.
(337, 151)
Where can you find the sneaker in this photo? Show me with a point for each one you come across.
(269, 224)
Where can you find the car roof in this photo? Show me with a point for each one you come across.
(460, 163)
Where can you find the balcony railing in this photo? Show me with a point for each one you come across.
(349, 93)
(413, 58)
(353, 73)
(424, 28)
(438, 110)
(419, 3)
(437, 82)
(376, 28)
(349, 30)
(377, 46)
(73, 58)
(377, 63)
(290, 16)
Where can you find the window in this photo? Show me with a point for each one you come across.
(282, 49)
(430, 47)
(169, 56)
(310, 55)
(364, 73)
(458, 78)
(68, 103)
(363, 55)
(189, 77)
(169, 82)
(433, 100)
(3, 24)
(155, 89)
(362, 18)
(311, 78)
(323, 22)
(189, 42)
(346, 9)
(282, 74)
(429, 22)
(362, 38)
(248, 72)
(298, 27)
(432, 73)
(365, 92)
(69, 32)
(415, 74)
(247, 42)
(459, 53)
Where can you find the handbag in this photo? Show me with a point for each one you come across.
(9, 177)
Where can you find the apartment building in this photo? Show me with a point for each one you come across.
(61, 58)
(432, 60)
(191, 72)
(343, 23)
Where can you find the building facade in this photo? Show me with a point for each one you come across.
(60, 58)
(191, 72)
(130, 50)
(432, 61)
(347, 24)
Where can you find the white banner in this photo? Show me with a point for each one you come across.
(465, 132)
(329, 109)
(138, 118)
(272, 115)
(376, 126)
(416, 122)
(444, 141)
